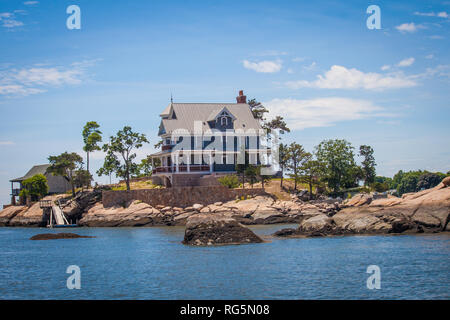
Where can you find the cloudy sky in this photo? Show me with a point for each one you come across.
(314, 62)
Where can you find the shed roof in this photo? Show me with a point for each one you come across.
(38, 169)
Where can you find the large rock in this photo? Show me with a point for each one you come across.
(54, 236)
(31, 217)
(317, 223)
(446, 181)
(7, 214)
(358, 200)
(424, 211)
(134, 214)
(207, 229)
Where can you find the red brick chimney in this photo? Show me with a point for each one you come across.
(241, 98)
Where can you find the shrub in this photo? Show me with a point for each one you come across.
(429, 180)
(380, 186)
(36, 187)
(229, 181)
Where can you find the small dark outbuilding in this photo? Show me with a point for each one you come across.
(56, 184)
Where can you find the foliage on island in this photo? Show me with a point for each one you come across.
(35, 187)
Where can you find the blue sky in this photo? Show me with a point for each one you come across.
(314, 62)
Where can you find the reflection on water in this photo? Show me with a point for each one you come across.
(151, 263)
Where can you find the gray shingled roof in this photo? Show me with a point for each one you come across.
(39, 169)
(187, 113)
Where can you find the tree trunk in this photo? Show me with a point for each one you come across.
(87, 161)
(281, 181)
(88, 184)
(128, 181)
(310, 191)
(295, 180)
(73, 189)
(243, 180)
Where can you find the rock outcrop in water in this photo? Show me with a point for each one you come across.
(34, 216)
(424, 211)
(217, 229)
(258, 210)
(53, 236)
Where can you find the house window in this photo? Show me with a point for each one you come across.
(224, 121)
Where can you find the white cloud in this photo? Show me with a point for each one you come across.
(290, 71)
(409, 27)
(8, 20)
(430, 56)
(263, 66)
(385, 67)
(15, 89)
(436, 37)
(6, 143)
(310, 67)
(406, 62)
(34, 80)
(339, 77)
(442, 70)
(323, 112)
(298, 59)
(442, 14)
(48, 76)
(30, 3)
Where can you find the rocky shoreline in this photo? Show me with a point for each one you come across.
(425, 211)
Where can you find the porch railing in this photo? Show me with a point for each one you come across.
(182, 168)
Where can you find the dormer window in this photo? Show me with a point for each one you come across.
(224, 121)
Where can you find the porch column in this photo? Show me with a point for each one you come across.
(177, 157)
(189, 162)
(210, 162)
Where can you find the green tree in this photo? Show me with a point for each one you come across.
(122, 145)
(91, 138)
(109, 166)
(368, 164)
(311, 171)
(36, 187)
(82, 178)
(158, 145)
(296, 159)
(429, 180)
(381, 184)
(242, 167)
(230, 181)
(276, 123)
(257, 109)
(251, 173)
(397, 179)
(262, 177)
(408, 184)
(145, 168)
(337, 162)
(65, 165)
(354, 175)
(283, 155)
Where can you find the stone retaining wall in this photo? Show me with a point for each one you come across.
(178, 196)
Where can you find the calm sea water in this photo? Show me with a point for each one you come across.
(151, 263)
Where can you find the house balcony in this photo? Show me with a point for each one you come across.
(167, 147)
(15, 192)
(182, 168)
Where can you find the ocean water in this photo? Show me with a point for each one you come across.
(151, 263)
